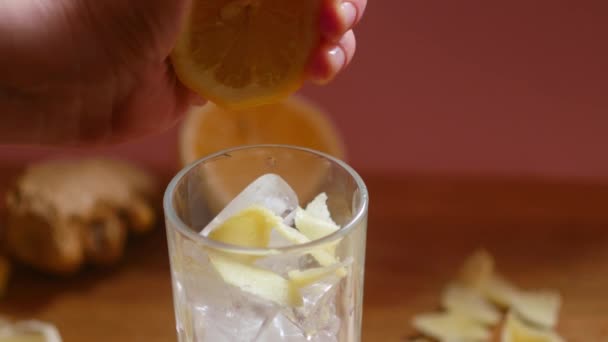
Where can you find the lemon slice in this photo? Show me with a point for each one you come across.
(242, 53)
(515, 330)
(29, 331)
(451, 326)
(259, 282)
(469, 303)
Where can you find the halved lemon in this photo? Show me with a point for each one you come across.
(294, 121)
(243, 53)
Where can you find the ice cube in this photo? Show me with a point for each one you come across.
(277, 240)
(317, 317)
(217, 311)
(283, 263)
(239, 318)
(318, 314)
(269, 191)
(282, 329)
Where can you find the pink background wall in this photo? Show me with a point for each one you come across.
(464, 86)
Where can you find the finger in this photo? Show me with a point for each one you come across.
(331, 59)
(185, 96)
(339, 16)
(154, 103)
(185, 99)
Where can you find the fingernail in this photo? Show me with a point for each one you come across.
(337, 58)
(326, 68)
(348, 11)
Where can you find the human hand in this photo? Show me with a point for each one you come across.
(93, 71)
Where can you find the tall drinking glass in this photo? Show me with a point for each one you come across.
(308, 291)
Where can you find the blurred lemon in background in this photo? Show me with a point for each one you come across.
(293, 121)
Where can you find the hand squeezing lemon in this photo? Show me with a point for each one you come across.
(244, 53)
(110, 77)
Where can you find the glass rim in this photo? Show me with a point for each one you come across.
(172, 217)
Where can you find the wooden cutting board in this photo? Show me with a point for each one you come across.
(543, 235)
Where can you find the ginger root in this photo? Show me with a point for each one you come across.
(64, 214)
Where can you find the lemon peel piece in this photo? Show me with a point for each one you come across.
(516, 330)
(470, 303)
(450, 326)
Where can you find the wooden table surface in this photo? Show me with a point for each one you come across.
(420, 228)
